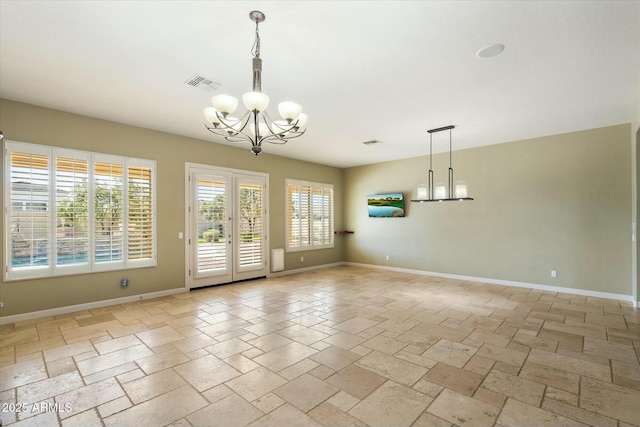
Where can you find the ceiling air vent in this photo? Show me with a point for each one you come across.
(372, 142)
(202, 82)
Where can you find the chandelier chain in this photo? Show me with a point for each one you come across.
(255, 49)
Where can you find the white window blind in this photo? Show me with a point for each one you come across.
(309, 215)
(70, 211)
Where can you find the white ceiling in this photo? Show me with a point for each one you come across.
(362, 70)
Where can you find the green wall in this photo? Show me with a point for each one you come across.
(560, 203)
(28, 123)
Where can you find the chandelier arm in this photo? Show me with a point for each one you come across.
(269, 121)
(282, 140)
(240, 137)
(226, 125)
(274, 139)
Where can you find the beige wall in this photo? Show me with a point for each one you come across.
(560, 203)
(27, 123)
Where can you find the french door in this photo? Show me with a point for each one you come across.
(227, 226)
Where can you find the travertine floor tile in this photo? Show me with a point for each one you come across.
(575, 413)
(161, 410)
(206, 372)
(50, 387)
(228, 348)
(502, 354)
(153, 385)
(231, 409)
(460, 380)
(302, 334)
(570, 364)
(355, 325)
(113, 359)
(306, 392)
(391, 404)
(90, 396)
(551, 376)
(284, 356)
(610, 400)
(335, 358)
(256, 383)
(356, 381)
(513, 386)
(341, 346)
(452, 353)
(329, 415)
(463, 410)
(392, 368)
(286, 415)
(517, 414)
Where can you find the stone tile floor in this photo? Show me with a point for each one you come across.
(344, 346)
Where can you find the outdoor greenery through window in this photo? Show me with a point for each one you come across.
(309, 215)
(71, 211)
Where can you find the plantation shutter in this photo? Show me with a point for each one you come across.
(72, 202)
(327, 216)
(250, 252)
(211, 196)
(29, 212)
(108, 228)
(309, 215)
(71, 211)
(140, 213)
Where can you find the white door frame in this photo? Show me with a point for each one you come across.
(189, 230)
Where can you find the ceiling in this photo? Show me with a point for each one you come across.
(362, 70)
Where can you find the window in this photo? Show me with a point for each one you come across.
(309, 215)
(70, 212)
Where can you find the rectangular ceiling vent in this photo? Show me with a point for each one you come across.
(202, 83)
(372, 142)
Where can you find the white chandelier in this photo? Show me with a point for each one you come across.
(255, 126)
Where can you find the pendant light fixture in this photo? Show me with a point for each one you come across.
(255, 126)
(440, 193)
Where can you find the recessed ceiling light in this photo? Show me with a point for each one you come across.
(490, 51)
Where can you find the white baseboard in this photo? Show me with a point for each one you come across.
(302, 270)
(87, 306)
(583, 292)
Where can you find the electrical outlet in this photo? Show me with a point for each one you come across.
(387, 257)
(124, 283)
(301, 259)
(554, 274)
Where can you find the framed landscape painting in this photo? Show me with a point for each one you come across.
(387, 205)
